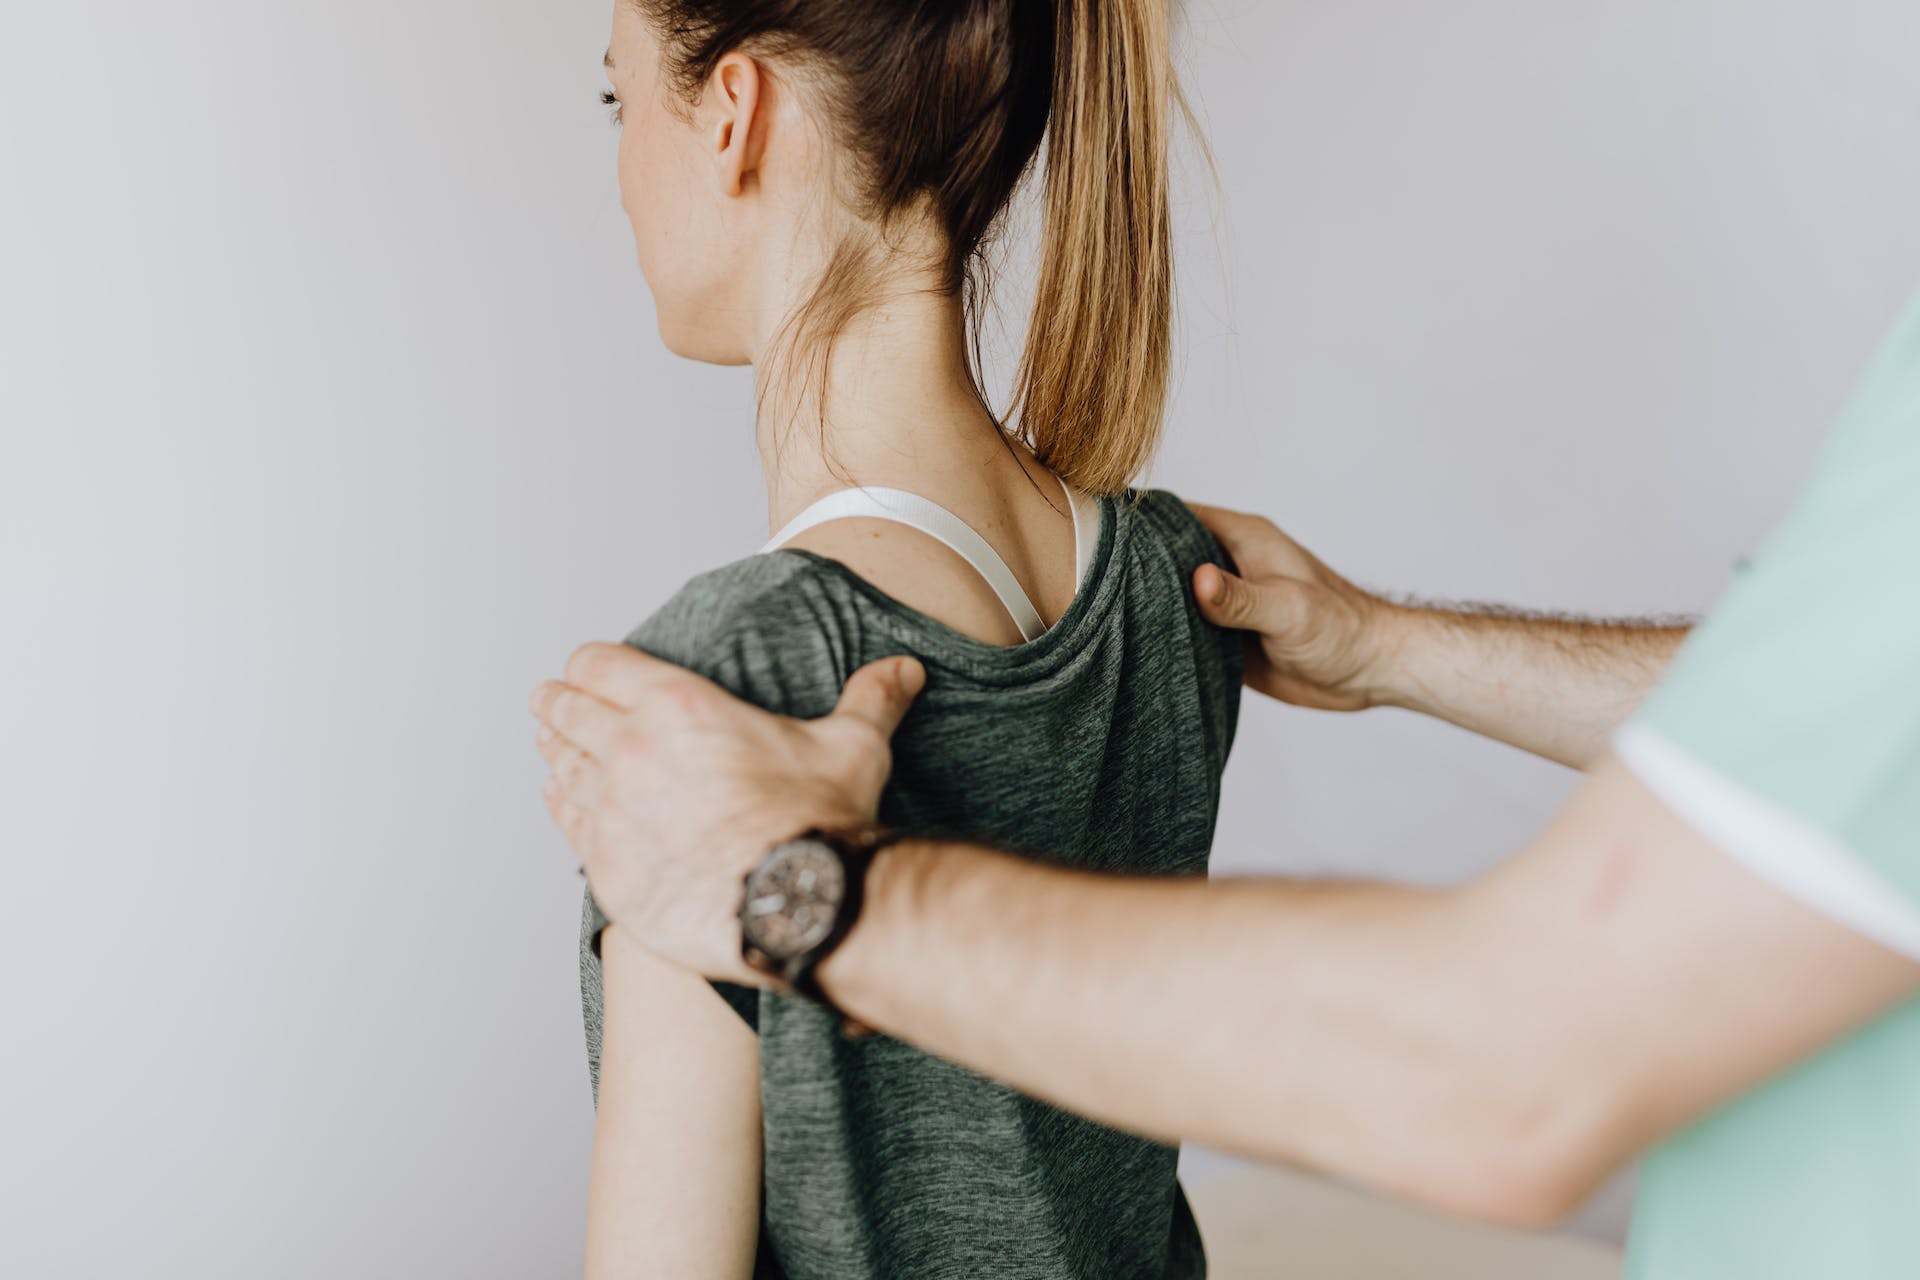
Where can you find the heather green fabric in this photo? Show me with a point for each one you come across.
(1099, 744)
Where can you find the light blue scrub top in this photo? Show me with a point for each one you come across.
(1788, 732)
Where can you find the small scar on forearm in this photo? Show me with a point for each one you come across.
(1611, 887)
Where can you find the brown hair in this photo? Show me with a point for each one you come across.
(941, 108)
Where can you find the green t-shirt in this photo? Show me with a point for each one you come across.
(1788, 733)
(1100, 744)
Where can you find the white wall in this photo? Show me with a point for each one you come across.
(334, 419)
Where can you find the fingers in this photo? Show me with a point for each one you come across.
(572, 771)
(1229, 601)
(576, 715)
(1237, 531)
(1223, 598)
(617, 673)
(881, 692)
(1212, 517)
(569, 817)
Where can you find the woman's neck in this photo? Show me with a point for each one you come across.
(899, 410)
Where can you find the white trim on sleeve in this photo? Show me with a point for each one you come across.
(1780, 847)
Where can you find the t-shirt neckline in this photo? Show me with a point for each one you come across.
(932, 640)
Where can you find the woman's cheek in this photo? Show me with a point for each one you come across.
(667, 262)
(680, 248)
(632, 192)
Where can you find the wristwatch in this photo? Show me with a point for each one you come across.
(799, 903)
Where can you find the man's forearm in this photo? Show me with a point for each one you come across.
(1554, 686)
(1264, 1017)
(1495, 1049)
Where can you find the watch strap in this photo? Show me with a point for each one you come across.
(856, 847)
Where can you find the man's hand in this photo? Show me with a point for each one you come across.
(670, 789)
(1320, 641)
(1551, 684)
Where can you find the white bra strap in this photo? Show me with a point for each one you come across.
(1086, 531)
(936, 522)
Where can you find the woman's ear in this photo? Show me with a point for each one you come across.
(739, 130)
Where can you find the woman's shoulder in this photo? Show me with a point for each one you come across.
(1171, 525)
(775, 629)
(1170, 541)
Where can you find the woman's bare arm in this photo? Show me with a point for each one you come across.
(674, 1188)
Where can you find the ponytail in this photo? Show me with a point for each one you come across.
(1091, 389)
(952, 101)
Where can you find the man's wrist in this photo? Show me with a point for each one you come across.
(746, 851)
(1394, 640)
(1440, 655)
(895, 879)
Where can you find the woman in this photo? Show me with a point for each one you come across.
(811, 185)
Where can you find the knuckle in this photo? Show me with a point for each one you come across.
(586, 662)
(629, 744)
(684, 697)
(684, 701)
(560, 704)
(670, 695)
(864, 751)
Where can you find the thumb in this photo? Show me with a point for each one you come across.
(881, 692)
(1230, 601)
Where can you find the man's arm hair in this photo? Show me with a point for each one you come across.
(1494, 1050)
(1554, 684)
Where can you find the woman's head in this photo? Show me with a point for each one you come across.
(874, 145)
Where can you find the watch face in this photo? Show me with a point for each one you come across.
(793, 899)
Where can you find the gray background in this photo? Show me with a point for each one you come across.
(335, 418)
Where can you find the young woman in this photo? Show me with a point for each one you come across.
(811, 184)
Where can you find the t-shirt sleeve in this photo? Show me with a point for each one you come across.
(762, 630)
(1788, 729)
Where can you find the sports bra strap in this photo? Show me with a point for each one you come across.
(942, 525)
(1086, 532)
